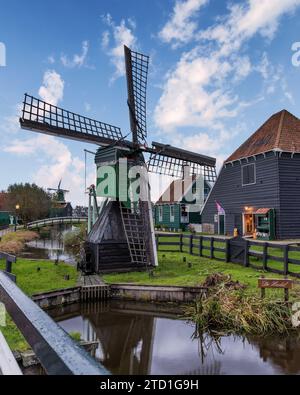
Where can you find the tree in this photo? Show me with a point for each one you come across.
(33, 202)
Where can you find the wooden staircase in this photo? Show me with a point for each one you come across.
(135, 234)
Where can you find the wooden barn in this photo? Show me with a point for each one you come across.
(172, 210)
(258, 189)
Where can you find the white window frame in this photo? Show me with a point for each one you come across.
(252, 183)
(172, 217)
(188, 214)
(160, 213)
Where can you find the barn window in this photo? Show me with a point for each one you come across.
(172, 214)
(249, 174)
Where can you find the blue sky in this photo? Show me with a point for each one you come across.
(218, 71)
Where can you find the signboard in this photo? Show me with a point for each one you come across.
(265, 283)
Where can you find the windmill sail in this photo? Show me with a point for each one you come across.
(171, 161)
(43, 117)
(137, 75)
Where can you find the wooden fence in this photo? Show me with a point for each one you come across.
(270, 257)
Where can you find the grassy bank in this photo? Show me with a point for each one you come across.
(14, 242)
(233, 305)
(35, 277)
(173, 270)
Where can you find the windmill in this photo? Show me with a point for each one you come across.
(122, 238)
(59, 193)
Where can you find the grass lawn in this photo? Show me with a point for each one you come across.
(173, 271)
(31, 281)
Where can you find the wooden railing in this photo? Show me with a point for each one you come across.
(270, 257)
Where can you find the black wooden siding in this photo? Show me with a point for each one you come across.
(233, 197)
(289, 215)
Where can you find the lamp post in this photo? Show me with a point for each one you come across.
(16, 218)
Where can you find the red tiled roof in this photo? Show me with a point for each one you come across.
(176, 191)
(3, 197)
(280, 132)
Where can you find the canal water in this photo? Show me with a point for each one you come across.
(50, 246)
(137, 338)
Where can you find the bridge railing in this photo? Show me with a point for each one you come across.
(56, 220)
(54, 348)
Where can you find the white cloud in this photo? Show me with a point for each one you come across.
(246, 20)
(51, 59)
(199, 91)
(122, 35)
(57, 163)
(182, 25)
(77, 60)
(52, 90)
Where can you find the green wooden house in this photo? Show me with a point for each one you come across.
(173, 211)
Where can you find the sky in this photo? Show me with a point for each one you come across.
(219, 69)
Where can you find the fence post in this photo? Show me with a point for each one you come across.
(246, 257)
(286, 259)
(265, 257)
(181, 243)
(227, 250)
(212, 255)
(201, 246)
(157, 242)
(191, 244)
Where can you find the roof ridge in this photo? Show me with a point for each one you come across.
(280, 127)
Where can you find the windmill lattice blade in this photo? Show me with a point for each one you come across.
(137, 66)
(46, 118)
(170, 161)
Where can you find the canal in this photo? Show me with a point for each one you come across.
(140, 338)
(50, 246)
(135, 338)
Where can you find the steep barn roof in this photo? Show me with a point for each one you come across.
(281, 132)
(176, 191)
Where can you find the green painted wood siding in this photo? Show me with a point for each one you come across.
(166, 218)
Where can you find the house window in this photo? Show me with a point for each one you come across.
(160, 213)
(248, 174)
(184, 214)
(172, 214)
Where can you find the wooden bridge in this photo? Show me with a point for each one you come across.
(56, 221)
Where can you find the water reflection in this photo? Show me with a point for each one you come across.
(138, 339)
(50, 246)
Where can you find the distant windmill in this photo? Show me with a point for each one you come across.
(123, 237)
(59, 196)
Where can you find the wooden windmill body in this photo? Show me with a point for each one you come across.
(123, 237)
